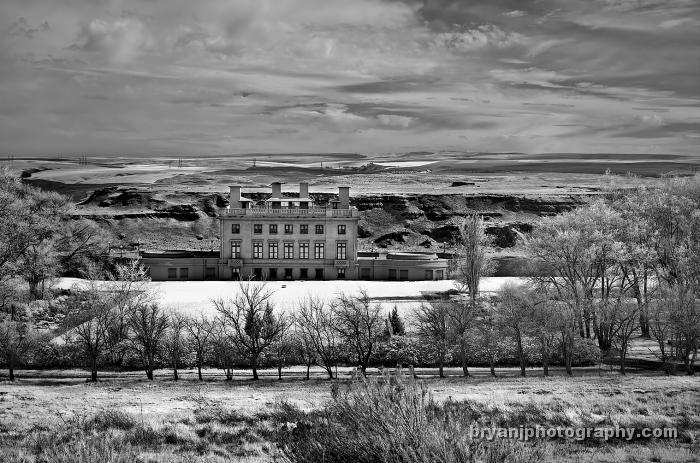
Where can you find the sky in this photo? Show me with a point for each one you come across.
(222, 77)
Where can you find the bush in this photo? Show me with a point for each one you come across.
(392, 421)
(110, 419)
(90, 450)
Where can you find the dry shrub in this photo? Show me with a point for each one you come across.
(89, 450)
(391, 420)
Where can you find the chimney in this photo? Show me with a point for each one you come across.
(234, 196)
(344, 197)
(303, 190)
(276, 190)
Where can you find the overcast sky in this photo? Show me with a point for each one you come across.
(213, 77)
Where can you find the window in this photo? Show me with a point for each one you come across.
(235, 228)
(235, 249)
(304, 273)
(210, 273)
(172, 273)
(272, 275)
(257, 228)
(364, 273)
(303, 250)
(272, 251)
(257, 273)
(257, 250)
(341, 229)
(288, 229)
(288, 274)
(289, 250)
(341, 273)
(319, 274)
(403, 274)
(184, 273)
(428, 274)
(304, 229)
(392, 274)
(439, 274)
(319, 229)
(318, 251)
(273, 229)
(341, 250)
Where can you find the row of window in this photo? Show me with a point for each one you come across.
(272, 274)
(402, 274)
(288, 229)
(341, 250)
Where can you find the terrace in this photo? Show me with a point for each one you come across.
(289, 212)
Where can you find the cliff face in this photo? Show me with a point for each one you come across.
(390, 221)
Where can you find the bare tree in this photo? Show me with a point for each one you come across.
(461, 315)
(474, 261)
(200, 331)
(488, 336)
(90, 317)
(544, 328)
(175, 341)
(316, 325)
(514, 314)
(147, 327)
(626, 324)
(432, 321)
(16, 340)
(360, 325)
(129, 285)
(223, 348)
(250, 319)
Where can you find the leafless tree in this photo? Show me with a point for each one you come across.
(626, 324)
(147, 329)
(487, 334)
(16, 340)
(432, 321)
(223, 349)
(360, 325)
(514, 307)
(175, 341)
(461, 316)
(200, 331)
(251, 321)
(91, 314)
(474, 261)
(316, 326)
(544, 327)
(129, 285)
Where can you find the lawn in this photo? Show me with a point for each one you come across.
(240, 420)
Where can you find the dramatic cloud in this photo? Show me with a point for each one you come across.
(215, 77)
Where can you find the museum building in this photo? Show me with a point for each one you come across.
(291, 238)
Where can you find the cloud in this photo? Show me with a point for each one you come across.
(119, 40)
(152, 76)
(484, 35)
(21, 28)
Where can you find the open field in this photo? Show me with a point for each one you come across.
(488, 173)
(216, 420)
(196, 296)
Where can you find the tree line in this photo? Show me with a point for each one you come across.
(625, 265)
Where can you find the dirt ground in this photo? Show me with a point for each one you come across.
(49, 397)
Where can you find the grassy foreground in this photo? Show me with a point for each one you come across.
(392, 419)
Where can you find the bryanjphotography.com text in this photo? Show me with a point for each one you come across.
(525, 433)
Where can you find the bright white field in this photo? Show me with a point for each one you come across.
(196, 296)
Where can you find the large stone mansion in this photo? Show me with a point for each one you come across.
(292, 238)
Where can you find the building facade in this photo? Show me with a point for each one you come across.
(289, 238)
(292, 238)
